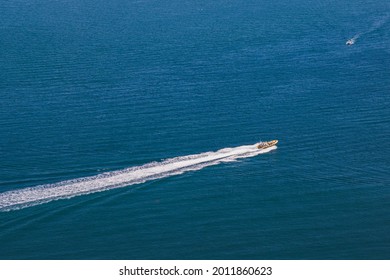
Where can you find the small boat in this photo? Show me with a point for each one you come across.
(350, 42)
(265, 145)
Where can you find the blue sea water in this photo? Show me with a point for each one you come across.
(90, 87)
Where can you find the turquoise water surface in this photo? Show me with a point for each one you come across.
(128, 129)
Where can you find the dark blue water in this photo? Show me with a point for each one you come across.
(88, 87)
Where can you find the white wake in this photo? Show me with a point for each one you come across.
(375, 26)
(26, 197)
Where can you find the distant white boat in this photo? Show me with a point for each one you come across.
(350, 42)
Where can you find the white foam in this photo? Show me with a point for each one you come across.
(26, 197)
(375, 26)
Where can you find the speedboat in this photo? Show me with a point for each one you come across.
(350, 42)
(265, 145)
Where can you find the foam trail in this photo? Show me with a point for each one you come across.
(26, 197)
(375, 26)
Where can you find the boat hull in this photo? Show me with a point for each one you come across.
(265, 145)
